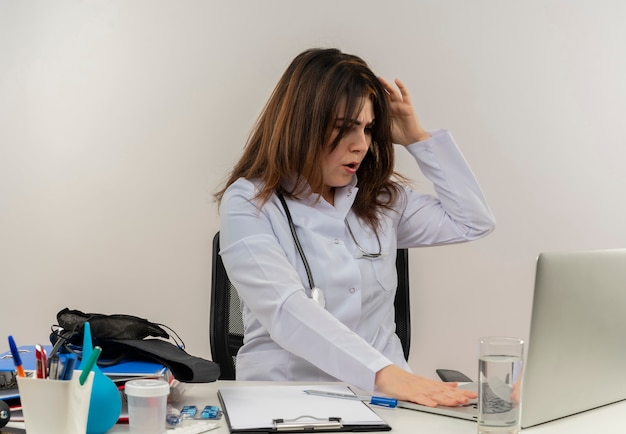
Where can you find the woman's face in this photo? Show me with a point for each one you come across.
(340, 164)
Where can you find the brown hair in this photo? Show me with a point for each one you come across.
(291, 135)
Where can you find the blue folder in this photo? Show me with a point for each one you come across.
(124, 368)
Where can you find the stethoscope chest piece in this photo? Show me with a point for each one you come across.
(318, 295)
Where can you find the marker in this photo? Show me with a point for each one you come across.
(41, 370)
(91, 361)
(17, 360)
(377, 400)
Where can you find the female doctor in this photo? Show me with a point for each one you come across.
(312, 215)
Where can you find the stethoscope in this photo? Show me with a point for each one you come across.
(316, 293)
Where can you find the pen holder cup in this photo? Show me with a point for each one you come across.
(55, 406)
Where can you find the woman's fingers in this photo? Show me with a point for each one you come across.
(400, 384)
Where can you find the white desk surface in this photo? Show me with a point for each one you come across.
(608, 419)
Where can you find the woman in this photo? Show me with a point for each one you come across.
(324, 145)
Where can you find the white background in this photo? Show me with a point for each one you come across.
(120, 119)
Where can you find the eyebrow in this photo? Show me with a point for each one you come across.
(355, 121)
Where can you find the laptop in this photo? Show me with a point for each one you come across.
(576, 353)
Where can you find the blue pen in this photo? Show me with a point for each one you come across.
(68, 367)
(17, 360)
(377, 400)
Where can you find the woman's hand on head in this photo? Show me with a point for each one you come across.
(397, 383)
(406, 128)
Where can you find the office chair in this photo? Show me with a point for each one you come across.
(225, 319)
(226, 324)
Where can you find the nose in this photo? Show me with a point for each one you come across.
(361, 142)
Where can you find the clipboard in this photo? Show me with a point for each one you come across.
(287, 408)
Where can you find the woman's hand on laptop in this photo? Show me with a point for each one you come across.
(397, 383)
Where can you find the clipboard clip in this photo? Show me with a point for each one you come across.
(308, 423)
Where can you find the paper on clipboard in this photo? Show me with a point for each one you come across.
(256, 408)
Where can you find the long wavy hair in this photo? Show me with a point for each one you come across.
(292, 134)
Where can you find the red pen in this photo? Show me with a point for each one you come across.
(42, 362)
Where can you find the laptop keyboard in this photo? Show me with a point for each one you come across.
(492, 403)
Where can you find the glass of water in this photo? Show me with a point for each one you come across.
(500, 385)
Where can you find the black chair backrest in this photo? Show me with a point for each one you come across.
(402, 301)
(226, 323)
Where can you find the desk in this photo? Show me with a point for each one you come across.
(608, 419)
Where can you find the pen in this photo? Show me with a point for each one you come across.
(93, 357)
(17, 360)
(68, 367)
(53, 371)
(378, 400)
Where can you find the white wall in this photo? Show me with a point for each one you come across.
(119, 119)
